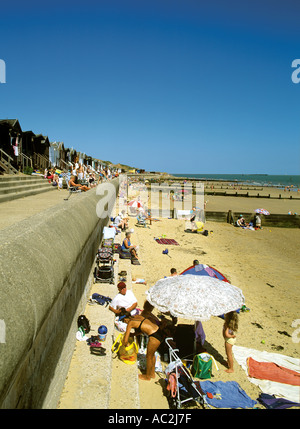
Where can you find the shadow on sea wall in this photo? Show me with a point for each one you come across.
(45, 274)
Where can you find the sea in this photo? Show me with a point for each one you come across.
(279, 181)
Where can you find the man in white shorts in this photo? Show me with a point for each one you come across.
(124, 299)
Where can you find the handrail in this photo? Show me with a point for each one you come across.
(42, 160)
(64, 162)
(25, 158)
(6, 154)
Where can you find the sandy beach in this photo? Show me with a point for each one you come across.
(263, 263)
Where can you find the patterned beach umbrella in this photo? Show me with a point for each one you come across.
(205, 270)
(195, 297)
(262, 211)
(135, 204)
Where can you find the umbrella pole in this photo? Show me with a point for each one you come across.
(195, 343)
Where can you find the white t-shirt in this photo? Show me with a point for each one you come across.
(125, 301)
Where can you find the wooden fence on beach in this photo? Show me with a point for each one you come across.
(272, 220)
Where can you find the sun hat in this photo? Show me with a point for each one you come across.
(121, 285)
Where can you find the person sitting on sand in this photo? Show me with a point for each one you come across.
(173, 272)
(73, 183)
(119, 223)
(229, 329)
(124, 299)
(127, 246)
(124, 218)
(143, 325)
(241, 222)
(141, 217)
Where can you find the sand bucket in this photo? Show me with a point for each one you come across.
(102, 332)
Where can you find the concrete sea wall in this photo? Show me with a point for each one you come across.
(46, 264)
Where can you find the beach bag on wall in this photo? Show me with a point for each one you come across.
(126, 354)
(202, 366)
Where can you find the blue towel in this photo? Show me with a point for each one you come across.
(230, 393)
(270, 401)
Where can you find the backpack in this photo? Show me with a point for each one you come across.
(202, 366)
(84, 323)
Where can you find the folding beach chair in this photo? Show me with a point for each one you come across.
(141, 220)
(72, 190)
(186, 388)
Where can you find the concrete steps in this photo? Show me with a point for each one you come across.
(19, 186)
(95, 382)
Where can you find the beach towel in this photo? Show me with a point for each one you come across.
(273, 372)
(108, 232)
(287, 391)
(166, 241)
(227, 394)
(269, 401)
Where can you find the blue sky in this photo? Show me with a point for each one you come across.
(179, 86)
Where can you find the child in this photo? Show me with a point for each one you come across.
(60, 182)
(230, 327)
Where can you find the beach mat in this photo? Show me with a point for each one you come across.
(168, 241)
(273, 372)
(228, 394)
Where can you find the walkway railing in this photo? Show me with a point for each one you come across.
(5, 163)
(25, 160)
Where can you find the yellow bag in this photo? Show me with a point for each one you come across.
(199, 226)
(127, 354)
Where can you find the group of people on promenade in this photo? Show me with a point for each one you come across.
(80, 176)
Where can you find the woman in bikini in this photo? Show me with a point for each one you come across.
(143, 326)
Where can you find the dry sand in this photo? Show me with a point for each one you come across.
(263, 263)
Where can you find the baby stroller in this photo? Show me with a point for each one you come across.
(182, 386)
(104, 270)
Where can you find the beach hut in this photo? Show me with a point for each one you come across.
(10, 133)
(54, 155)
(41, 146)
(27, 143)
(10, 141)
(63, 162)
